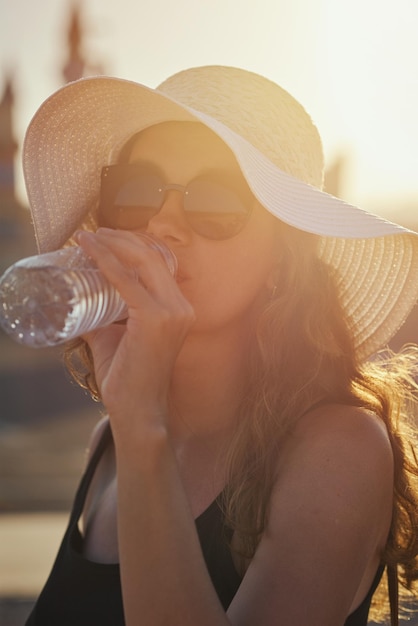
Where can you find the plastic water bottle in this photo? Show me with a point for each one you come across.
(51, 298)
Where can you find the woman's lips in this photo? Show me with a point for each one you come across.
(181, 276)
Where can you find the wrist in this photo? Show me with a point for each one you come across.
(140, 440)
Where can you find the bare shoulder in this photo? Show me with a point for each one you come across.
(329, 518)
(339, 457)
(345, 449)
(341, 430)
(340, 417)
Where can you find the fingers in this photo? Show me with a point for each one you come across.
(127, 262)
(138, 272)
(129, 247)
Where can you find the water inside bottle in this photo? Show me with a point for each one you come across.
(29, 322)
(46, 306)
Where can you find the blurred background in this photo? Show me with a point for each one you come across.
(353, 65)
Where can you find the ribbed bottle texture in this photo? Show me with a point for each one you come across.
(51, 298)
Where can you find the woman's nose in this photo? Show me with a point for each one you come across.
(170, 222)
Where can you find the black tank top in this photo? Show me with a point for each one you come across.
(80, 592)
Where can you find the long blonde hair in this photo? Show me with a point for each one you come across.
(303, 353)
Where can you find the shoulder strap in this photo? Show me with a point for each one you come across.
(89, 473)
(392, 576)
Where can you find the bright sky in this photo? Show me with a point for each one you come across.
(352, 63)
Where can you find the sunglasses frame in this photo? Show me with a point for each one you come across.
(114, 176)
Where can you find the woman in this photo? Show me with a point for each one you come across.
(254, 465)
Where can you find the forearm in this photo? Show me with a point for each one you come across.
(163, 573)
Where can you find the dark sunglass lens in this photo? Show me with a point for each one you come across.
(136, 198)
(214, 211)
(143, 190)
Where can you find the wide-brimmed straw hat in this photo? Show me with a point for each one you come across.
(84, 125)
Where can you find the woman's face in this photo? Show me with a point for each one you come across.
(224, 280)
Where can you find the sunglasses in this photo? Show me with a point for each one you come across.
(215, 206)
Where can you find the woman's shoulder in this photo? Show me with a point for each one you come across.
(339, 444)
(329, 515)
(342, 423)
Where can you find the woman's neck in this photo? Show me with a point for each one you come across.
(208, 384)
(207, 388)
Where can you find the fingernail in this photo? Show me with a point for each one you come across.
(83, 234)
(104, 230)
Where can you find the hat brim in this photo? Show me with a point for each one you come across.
(83, 126)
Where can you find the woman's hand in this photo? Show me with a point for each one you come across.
(134, 361)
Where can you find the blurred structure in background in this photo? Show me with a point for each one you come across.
(335, 176)
(45, 420)
(35, 390)
(77, 66)
(406, 215)
(16, 234)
